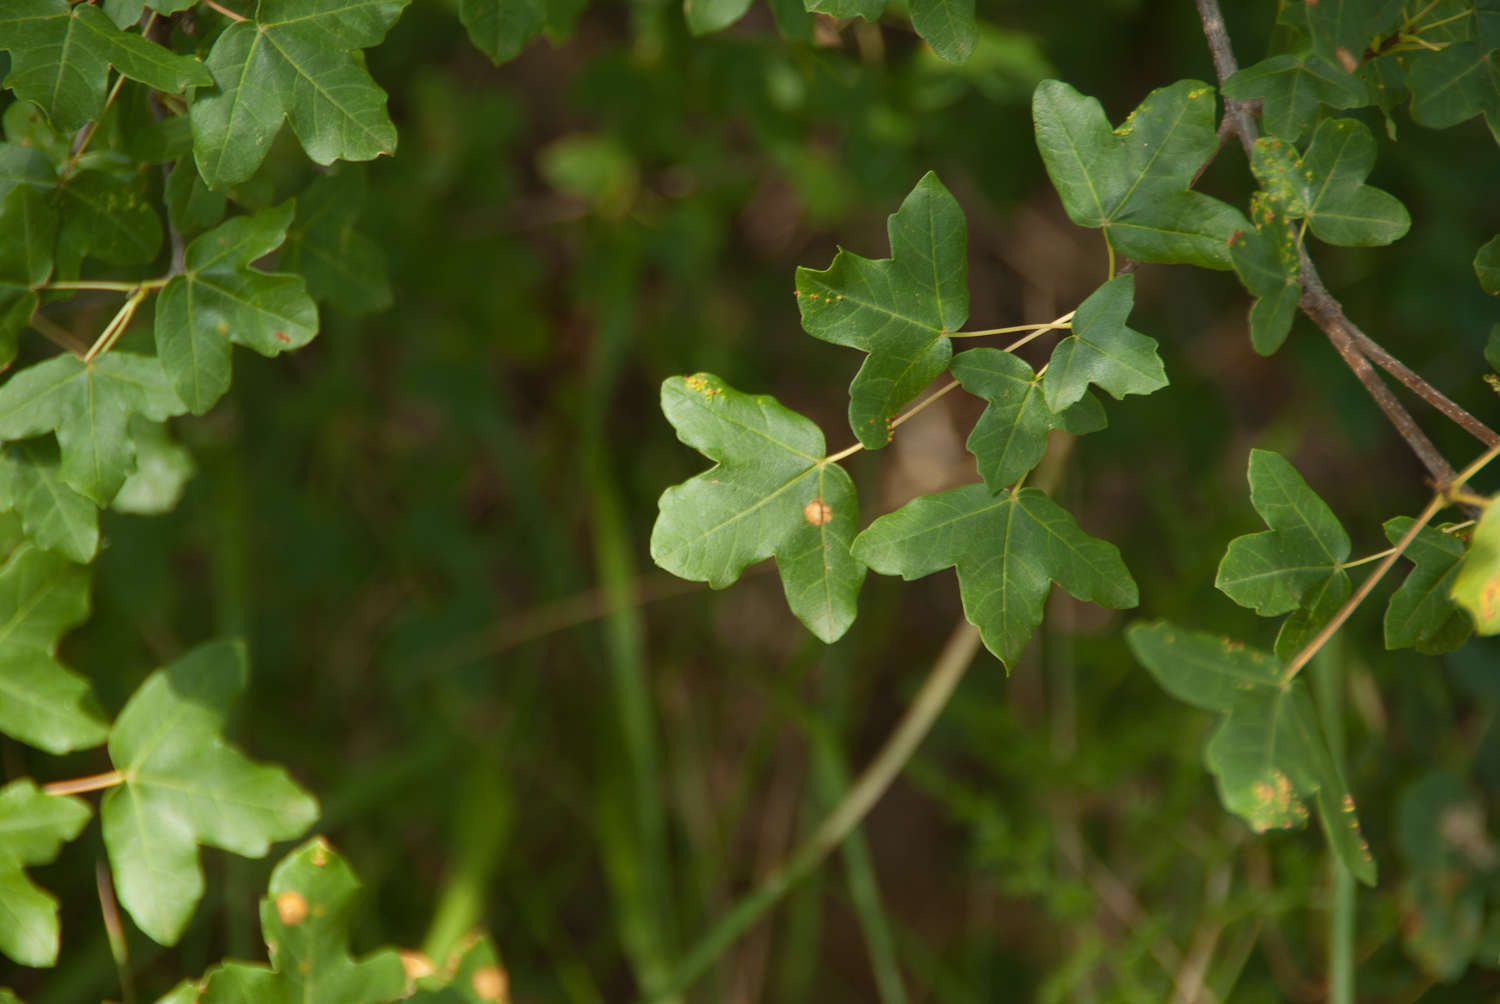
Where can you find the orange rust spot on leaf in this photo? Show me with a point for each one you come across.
(490, 983)
(817, 512)
(291, 908)
(281, 336)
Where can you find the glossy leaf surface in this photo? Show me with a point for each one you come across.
(1008, 550)
(183, 785)
(899, 309)
(1268, 755)
(770, 493)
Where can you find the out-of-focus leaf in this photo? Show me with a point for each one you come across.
(106, 217)
(1133, 182)
(42, 702)
(55, 516)
(28, 232)
(769, 493)
(899, 309)
(342, 266)
(1268, 755)
(301, 63)
(183, 785)
(33, 828)
(220, 300)
(471, 975)
(162, 470)
(191, 205)
(1421, 613)
(1341, 31)
(1487, 266)
(1101, 350)
(1476, 585)
(1011, 436)
(61, 54)
(1292, 88)
(500, 28)
(1274, 572)
(704, 16)
(304, 919)
(1008, 549)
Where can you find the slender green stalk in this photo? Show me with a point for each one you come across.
(956, 656)
(1328, 690)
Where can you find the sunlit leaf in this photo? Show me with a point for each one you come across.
(769, 493)
(42, 702)
(1268, 755)
(1273, 572)
(1476, 585)
(219, 299)
(1133, 182)
(1008, 549)
(183, 785)
(33, 828)
(899, 309)
(304, 919)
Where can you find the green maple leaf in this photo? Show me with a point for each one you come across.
(1008, 550)
(1268, 755)
(1341, 30)
(704, 16)
(1476, 585)
(183, 785)
(61, 55)
(501, 28)
(1421, 614)
(28, 232)
(770, 493)
(33, 828)
(1276, 571)
(54, 515)
(1011, 436)
(1101, 350)
(219, 299)
(162, 470)
(342, 266)
(1293, 88)
(107, 216)
(1326, 185)
(1487, 266)
(472, 974)
(1265, 258)
(191, 205)
(300, 63)
(42, 702)
(304, 919)
(1133, 182)
(1454, 85)
(899, 309)
(88, 405)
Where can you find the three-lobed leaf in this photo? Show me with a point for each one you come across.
(88, 405)
(299, 64)
(342, 266)
(1008, 550)
(183, 785)
(1292, 88)
(219, 299)
(1268, 755)
(42, 702)
(1011, 436)
(1421, 613)
(55, 516)
(1266, 260)
(1276, 571)
(1102, 351)
(33, 828)
(1327, 185)
(770, 493)
(61, 54)
(899, 309)
(304, 919)
(1134, 182)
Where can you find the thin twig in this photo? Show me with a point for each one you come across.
(1355, 347)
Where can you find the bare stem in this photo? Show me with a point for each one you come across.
(850, 451)
(79, 785)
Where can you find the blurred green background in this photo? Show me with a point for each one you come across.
(431, 526)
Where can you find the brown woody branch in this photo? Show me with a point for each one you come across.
(1356, 348)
